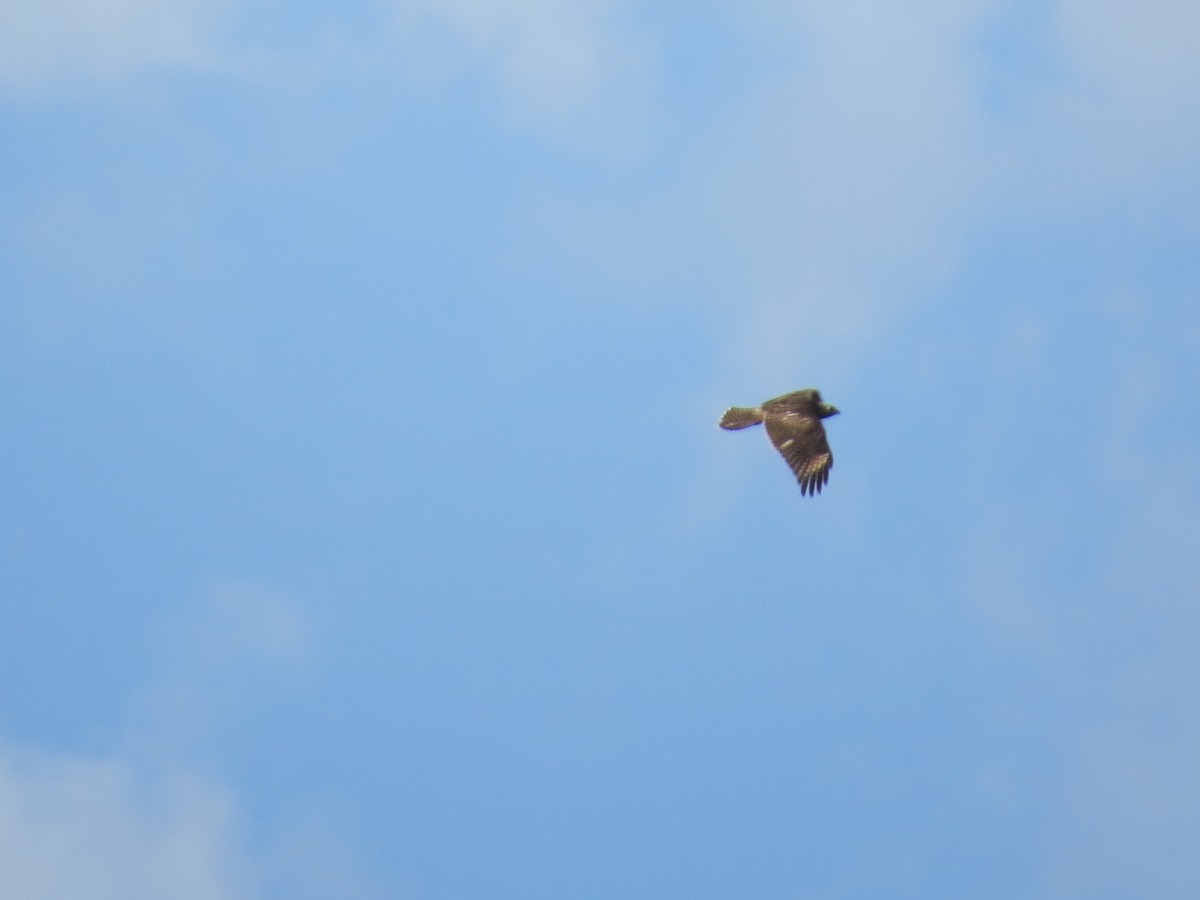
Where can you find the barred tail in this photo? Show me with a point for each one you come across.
(740, 417)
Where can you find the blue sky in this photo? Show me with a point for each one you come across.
(366, 528)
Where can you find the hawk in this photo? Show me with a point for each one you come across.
(794, 426)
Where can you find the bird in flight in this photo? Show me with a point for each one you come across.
(794, 426)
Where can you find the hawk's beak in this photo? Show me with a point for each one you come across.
(828, 410)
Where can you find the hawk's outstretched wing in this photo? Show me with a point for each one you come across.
(800, 439)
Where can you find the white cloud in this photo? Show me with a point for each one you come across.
(145, 820)
(1143, 58)
(852, 180)
(80, 40)
(827, 200)
(546, 50)
(1116, 126)
(556, 66)
(861, 182)
(574, 70)
(78, 828)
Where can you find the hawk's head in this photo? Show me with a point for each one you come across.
(824, 410)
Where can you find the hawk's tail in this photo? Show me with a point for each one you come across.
(740, 417)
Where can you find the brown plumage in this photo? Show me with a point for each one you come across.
(794, 426)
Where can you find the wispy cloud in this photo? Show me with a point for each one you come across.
(1084, 582)
(577, 70)
(73, 42)
(580, 69)
(240, 642)
(855, 178)
(822, 205)
(96, 828)
(147, 819)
